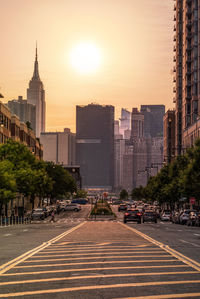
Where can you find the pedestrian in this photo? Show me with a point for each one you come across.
(52, 217)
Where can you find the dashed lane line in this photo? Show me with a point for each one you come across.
(173, 252)
(95, 269)
(98, 287)
(193, 244)
(94, 263)
(9, 265)
(96, 276)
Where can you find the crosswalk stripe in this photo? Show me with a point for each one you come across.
(96, 257)
(96, 276)
(98, 287)
(95, 269)
(92, 263)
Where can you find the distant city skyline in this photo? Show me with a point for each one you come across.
(134, 43)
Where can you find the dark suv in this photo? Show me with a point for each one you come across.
(122, 207)
(132, 215)
(149, 216)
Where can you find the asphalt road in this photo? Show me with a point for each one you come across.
(183, 238)
(100, 259)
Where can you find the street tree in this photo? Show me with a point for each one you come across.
(123, 194)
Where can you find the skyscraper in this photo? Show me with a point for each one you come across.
(24, 110)
(95, 145)
(153, 120)
(186, 69)
(36, 96)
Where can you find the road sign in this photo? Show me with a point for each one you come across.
(192, 200)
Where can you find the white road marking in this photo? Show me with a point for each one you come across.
(6, 235)
(196, 245)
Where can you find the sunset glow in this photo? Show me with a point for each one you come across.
(85, 58)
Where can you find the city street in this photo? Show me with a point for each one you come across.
(76, 258)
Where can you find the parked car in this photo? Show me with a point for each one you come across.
(38, 214)
(192, 218)
(132, 215)
(197, 221)
(184, 216)
(122, 207)
(165, 216)
(80, 201)
(175, 217)
(149, 216)
(73, 207)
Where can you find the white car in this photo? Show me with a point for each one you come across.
(165, 216)
(73, 207)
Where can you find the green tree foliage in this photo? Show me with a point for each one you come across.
(190, 177)
(21, 172)
(180, 178)
(138, 193)
(81, 194)
(8, 186)
(63, 182)
(123, 194)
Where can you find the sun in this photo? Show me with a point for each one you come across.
(85, 58)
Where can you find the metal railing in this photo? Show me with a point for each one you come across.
(14, 220)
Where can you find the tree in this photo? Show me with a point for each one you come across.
(8, 186)
(63, 182)
(123, 194)
(138, 193)
(81, 194)
(190, 177)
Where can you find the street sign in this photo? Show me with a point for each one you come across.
(192, 200)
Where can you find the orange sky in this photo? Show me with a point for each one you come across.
(135, 38)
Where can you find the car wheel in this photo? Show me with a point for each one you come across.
(143, 221)
(125, 221)
(156, 221)
(139, 222)
(76, 210)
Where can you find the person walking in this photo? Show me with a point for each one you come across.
(52, 217)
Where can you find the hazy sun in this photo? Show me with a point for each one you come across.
(85, 58)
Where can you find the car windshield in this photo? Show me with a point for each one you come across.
(148, 213)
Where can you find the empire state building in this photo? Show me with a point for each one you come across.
(36, 96)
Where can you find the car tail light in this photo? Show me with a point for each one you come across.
(127, 214)
(138, 214)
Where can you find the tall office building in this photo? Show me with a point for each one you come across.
(187, 70)
(137, 124)
(59, 147)
(125, 121)
(153, 120)
(36, 96)
(24, 110)
(95, 145)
